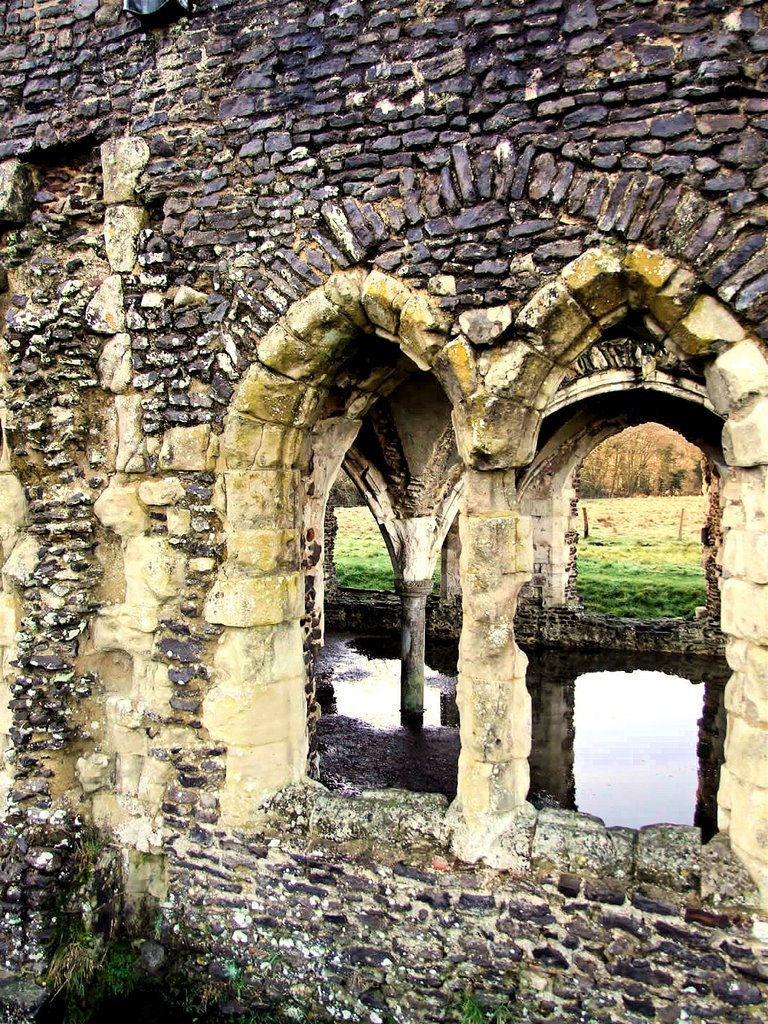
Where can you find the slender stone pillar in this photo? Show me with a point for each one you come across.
(450, 575)
(495, 708)
(413, 600)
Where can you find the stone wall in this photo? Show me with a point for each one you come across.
(219, 235)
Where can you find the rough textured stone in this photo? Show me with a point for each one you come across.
(122, 161)
(17, 189)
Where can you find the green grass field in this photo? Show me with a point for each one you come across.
(632, 564)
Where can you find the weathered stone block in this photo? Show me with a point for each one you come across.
(317, 351)
(239, 600)
(670, 303)
(161, 491)
(596, 280)
(493, 432)
(485, 326)
(495, 545)
(13, 505)
(255, 773)
(115, 366)
(153, 570)
(119, 508)
(582, 844)
(344, 289)
(8, 616)
(457, 371)
(22, 561)
(745, 611)
(422, 331)
(105, 313)
(495, 716)
(746, 751)
(747, 805)
(94, 772)
(706, 328)
(488, 790)
(188, 448)
(383, 298)
(122, 162)
(556, 324)
(186, 297)
(17, 190)
(724, 879)
(669, 855)
(272, 398)
(519, 372)
(122, 225)
(264, 551)
(738, 374)
(262, 498)
(646, 271)
(745, 555)
(745, 436)
(253, 715)
(130, 436)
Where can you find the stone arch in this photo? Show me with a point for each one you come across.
(595, 292)
(256, 705)
(573, 430)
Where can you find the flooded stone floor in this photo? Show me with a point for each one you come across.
(633, 738)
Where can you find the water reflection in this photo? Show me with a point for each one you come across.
(622, 743)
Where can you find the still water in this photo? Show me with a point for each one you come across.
(632, 738)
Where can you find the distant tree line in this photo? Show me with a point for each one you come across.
(645, 460)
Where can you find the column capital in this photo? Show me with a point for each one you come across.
(413, 588)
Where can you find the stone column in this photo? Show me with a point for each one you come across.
(413, 601)
(450, 574)
(552, 521)
(493, 701)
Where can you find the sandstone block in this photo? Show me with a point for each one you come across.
(119, 508)
(744, 497)
(738, 374)
(517, 371)
(746, 751)
(745, 555)
(493, 432)
(706, 328)
(188, 448)
(320, 322)
(22, 561)
(125, 628)
(153, 570)
(670, 303)
(748, 826)
(152, 784)
(556, 325)
(456, 368)
(495, 717)
(122, 162)
(485, 326)
(596, 281)
(487, 789)
(580, 843)
(495, 545)
(383, 298)
(161, 491)
(746, 694)
(268, 654)
(13, 505)
(130, 436)
(93, 772)
(442, 284)
(254, 774)
(344, 289)
(252, 715)
(8, 616)
(239, 600)
(186, 296)
(122, 225)
(669, 855)
(646, 271)
(745, 611)
(264, 551)
(115, 365)
(262, 498)
(315, 353)
(105, 313)
(422, 331)
(179, 521)
(17, 190)
(745, 436)
(272, 398)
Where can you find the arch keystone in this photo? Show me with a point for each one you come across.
(383, 299)
(646, 271)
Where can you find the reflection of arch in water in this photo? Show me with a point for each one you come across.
(578, 423)
(552, 682)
